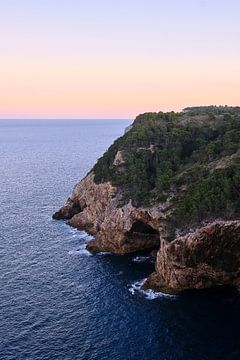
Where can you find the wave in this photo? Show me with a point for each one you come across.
(136, 289)
(82, 251)
(143, 259)
(103, 253)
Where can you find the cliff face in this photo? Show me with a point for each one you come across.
(208, 257)
(95, 209)
(87, 206)
(196, 248)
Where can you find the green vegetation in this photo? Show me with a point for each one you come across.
(216, 194)
(216, 110)
(176, 154)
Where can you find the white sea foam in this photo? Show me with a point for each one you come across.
(142, 259)
(82, 251)
(78, 233)
(104, 253)
(135, 289)
(119, 273)
(72, 230)
(86, 236)
(75, 235)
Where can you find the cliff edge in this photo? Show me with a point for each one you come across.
(171, 183)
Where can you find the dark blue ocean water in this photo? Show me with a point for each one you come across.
(59, 302)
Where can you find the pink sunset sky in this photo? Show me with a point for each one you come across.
(115, 59)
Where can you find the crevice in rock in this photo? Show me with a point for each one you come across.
(142, 228)
(144, 234)
(68, 211)
(76, 209)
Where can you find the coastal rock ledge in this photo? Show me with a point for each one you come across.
(193, 225)
(209, 256)
(120, 230)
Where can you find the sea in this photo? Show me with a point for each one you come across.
(57, 301)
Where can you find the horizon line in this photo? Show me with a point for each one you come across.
(64, 118)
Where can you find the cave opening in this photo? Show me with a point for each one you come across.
(144, 235)
(142, 228)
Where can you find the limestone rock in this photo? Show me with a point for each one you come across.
(208, 257)
(119, 160)
(176, 193)
(117, 229)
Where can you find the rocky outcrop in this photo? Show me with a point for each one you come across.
(128, 128)
(166, 184)
(95, 209)
(119, 160)
(208, 257)
(86, 208)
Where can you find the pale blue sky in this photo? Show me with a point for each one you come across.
(99, 50)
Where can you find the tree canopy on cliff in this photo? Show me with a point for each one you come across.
(190, 156)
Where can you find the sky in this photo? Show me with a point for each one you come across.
(116, 58)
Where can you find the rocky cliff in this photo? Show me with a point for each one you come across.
(171, 184)
(208, 257)
(95, 209)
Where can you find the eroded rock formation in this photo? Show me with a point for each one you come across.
(208, 257)
(94, 208)
(200, 254)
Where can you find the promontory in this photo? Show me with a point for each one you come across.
(169, 185)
